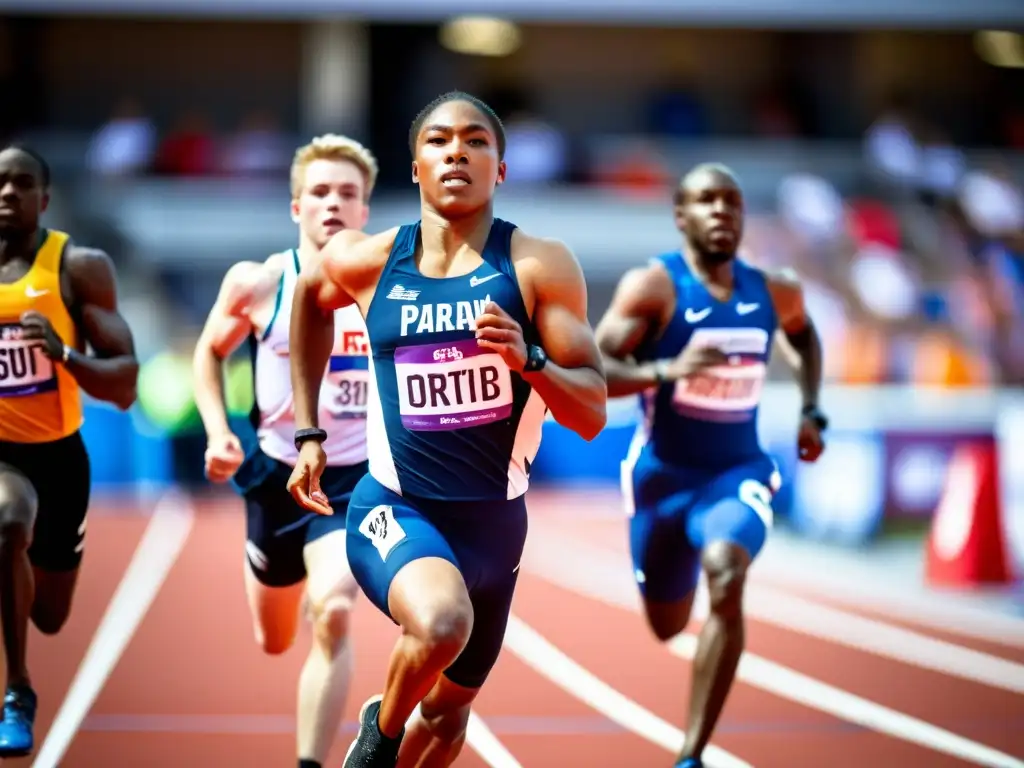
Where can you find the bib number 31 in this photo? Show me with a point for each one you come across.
(348, 396)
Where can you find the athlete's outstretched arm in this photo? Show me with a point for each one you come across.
(346, 271)
(639, 309)
(111, 373)
(319, 290)
(227, 325)
(799, 331)
(802, 337)
(572, 382)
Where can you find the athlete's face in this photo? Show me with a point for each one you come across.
(23, 196)
(457, 165)
(332, 198)
(709, 213)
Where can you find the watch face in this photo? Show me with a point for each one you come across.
(536, 357)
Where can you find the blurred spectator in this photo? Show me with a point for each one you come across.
(891, 148)
(258, 148)
(812, 208)
(125, 144)
(188, 150)
(535, 150)
(864, 355)
(872, 222)
(940, 359)
(832, 322)
(942, 165)
(883, 283)
(636, 167)
(993, 210)
(992, 204)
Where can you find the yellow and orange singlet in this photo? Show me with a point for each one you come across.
(39, 400)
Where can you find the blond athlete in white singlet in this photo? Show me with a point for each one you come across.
(292, 553)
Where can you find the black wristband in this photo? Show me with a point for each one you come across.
(309, 433)
(536, 358)
(814, 414)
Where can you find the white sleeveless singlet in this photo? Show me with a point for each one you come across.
(343, 393)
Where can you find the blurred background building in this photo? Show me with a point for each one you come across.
(881, 150)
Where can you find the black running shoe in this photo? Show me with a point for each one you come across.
(372, 749)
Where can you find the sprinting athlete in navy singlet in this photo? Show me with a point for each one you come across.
(476, 330)
(294, 555)
(451, 422)
(691, 333)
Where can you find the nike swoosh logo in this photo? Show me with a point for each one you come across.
(746, 309)
(693, 316)
(33, 293)
(474, 281)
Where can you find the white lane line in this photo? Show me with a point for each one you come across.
(881, 639)
(540, 654)
(483, 741)
(157, 551)
(791, 612)
(579, 572)
(930, 610)
(803, 689)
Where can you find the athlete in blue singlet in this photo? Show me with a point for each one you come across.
(691, 331)
(475, 328)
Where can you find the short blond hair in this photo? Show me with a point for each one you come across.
(331, 146)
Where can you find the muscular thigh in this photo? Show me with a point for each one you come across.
(488, 538)
(385, 533)
(60, 476)
(18, 500)
(329, 577)
(735, 507)
(666, 564)
(482, 540)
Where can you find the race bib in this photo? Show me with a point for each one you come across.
(451, 386)
(721, 390)
(382, 529)
(728, 392)
(24, 369)
(348, 386)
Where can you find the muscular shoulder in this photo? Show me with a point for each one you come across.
(354, 260)
(651, 279)
(787, 294)
(784, 284)
(645, 290)
(246, 283)
(544, 258)
(91, 274)
(354, 245)
(785, 279)
(84, 263)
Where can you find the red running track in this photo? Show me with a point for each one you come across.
(192, 689)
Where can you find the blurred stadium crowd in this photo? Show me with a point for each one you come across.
(904, 216)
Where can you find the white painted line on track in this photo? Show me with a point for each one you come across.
(158, 550)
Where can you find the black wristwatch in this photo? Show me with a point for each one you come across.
(536, 358)
(811, 412)
(309, 433)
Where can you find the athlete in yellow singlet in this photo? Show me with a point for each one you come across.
(55, 299)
